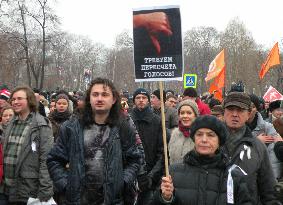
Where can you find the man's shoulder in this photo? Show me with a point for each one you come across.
(170, 110)
(73, 123)
(40, 120)
(248, 136)
(255, 143)
(155, 117)
(149, 117)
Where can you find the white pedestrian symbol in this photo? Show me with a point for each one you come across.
(190, 81)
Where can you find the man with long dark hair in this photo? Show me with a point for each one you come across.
(100, 149)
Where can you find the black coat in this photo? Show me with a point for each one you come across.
(149, 128)
(121, 162)
(203, 181)
(261, 180)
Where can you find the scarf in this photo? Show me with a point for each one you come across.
(195, 159)
(141, 113)
(234, 138)
(157, 111)
(60, 117)
(185, 130)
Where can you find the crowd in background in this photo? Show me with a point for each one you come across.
(210, 143)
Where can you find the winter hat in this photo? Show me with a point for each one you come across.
(5, 94)
(190, 103)
(190, 92)
(210, 122)
(255, 100)
(62, 96)
(141, 91)
(217, 109)
(157, 94)
(238, 99)
(169, 92)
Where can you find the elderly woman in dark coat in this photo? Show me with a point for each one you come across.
(205, 176)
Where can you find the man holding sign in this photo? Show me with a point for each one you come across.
(158, 57)
(149, 128)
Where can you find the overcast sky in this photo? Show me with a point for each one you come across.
(102, 20)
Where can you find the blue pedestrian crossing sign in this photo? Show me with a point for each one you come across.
(190, 80)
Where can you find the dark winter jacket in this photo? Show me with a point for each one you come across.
(202, 180)
(171, 117)
(121, 162)
(31, 174)
(149, 128)
(57, 119)
(252, 156)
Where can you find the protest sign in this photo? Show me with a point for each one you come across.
(157, 44)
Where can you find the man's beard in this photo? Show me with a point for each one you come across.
(101, 112)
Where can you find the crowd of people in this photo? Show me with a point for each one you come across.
(101, 147)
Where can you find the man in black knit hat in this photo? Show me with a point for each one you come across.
(149, 128)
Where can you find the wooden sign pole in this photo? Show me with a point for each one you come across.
(164, 130)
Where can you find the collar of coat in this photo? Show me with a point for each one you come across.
(143, 115)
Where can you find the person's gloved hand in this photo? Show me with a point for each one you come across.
(144, 182)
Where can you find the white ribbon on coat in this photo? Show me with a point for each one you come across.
(230, 184)
(248, 149)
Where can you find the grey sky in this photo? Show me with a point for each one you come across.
(102, 20)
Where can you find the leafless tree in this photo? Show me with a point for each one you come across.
(201, 45)
(29, 23)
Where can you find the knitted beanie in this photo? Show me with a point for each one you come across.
(5, 94)
(157, 94)
(141, 91)
(62, 96)
(190, 103)
(210, 122)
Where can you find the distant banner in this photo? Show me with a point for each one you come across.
(158, 44)
(272, 95)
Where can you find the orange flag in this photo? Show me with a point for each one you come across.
(217, 85)
(272, 59)
(216, 66)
